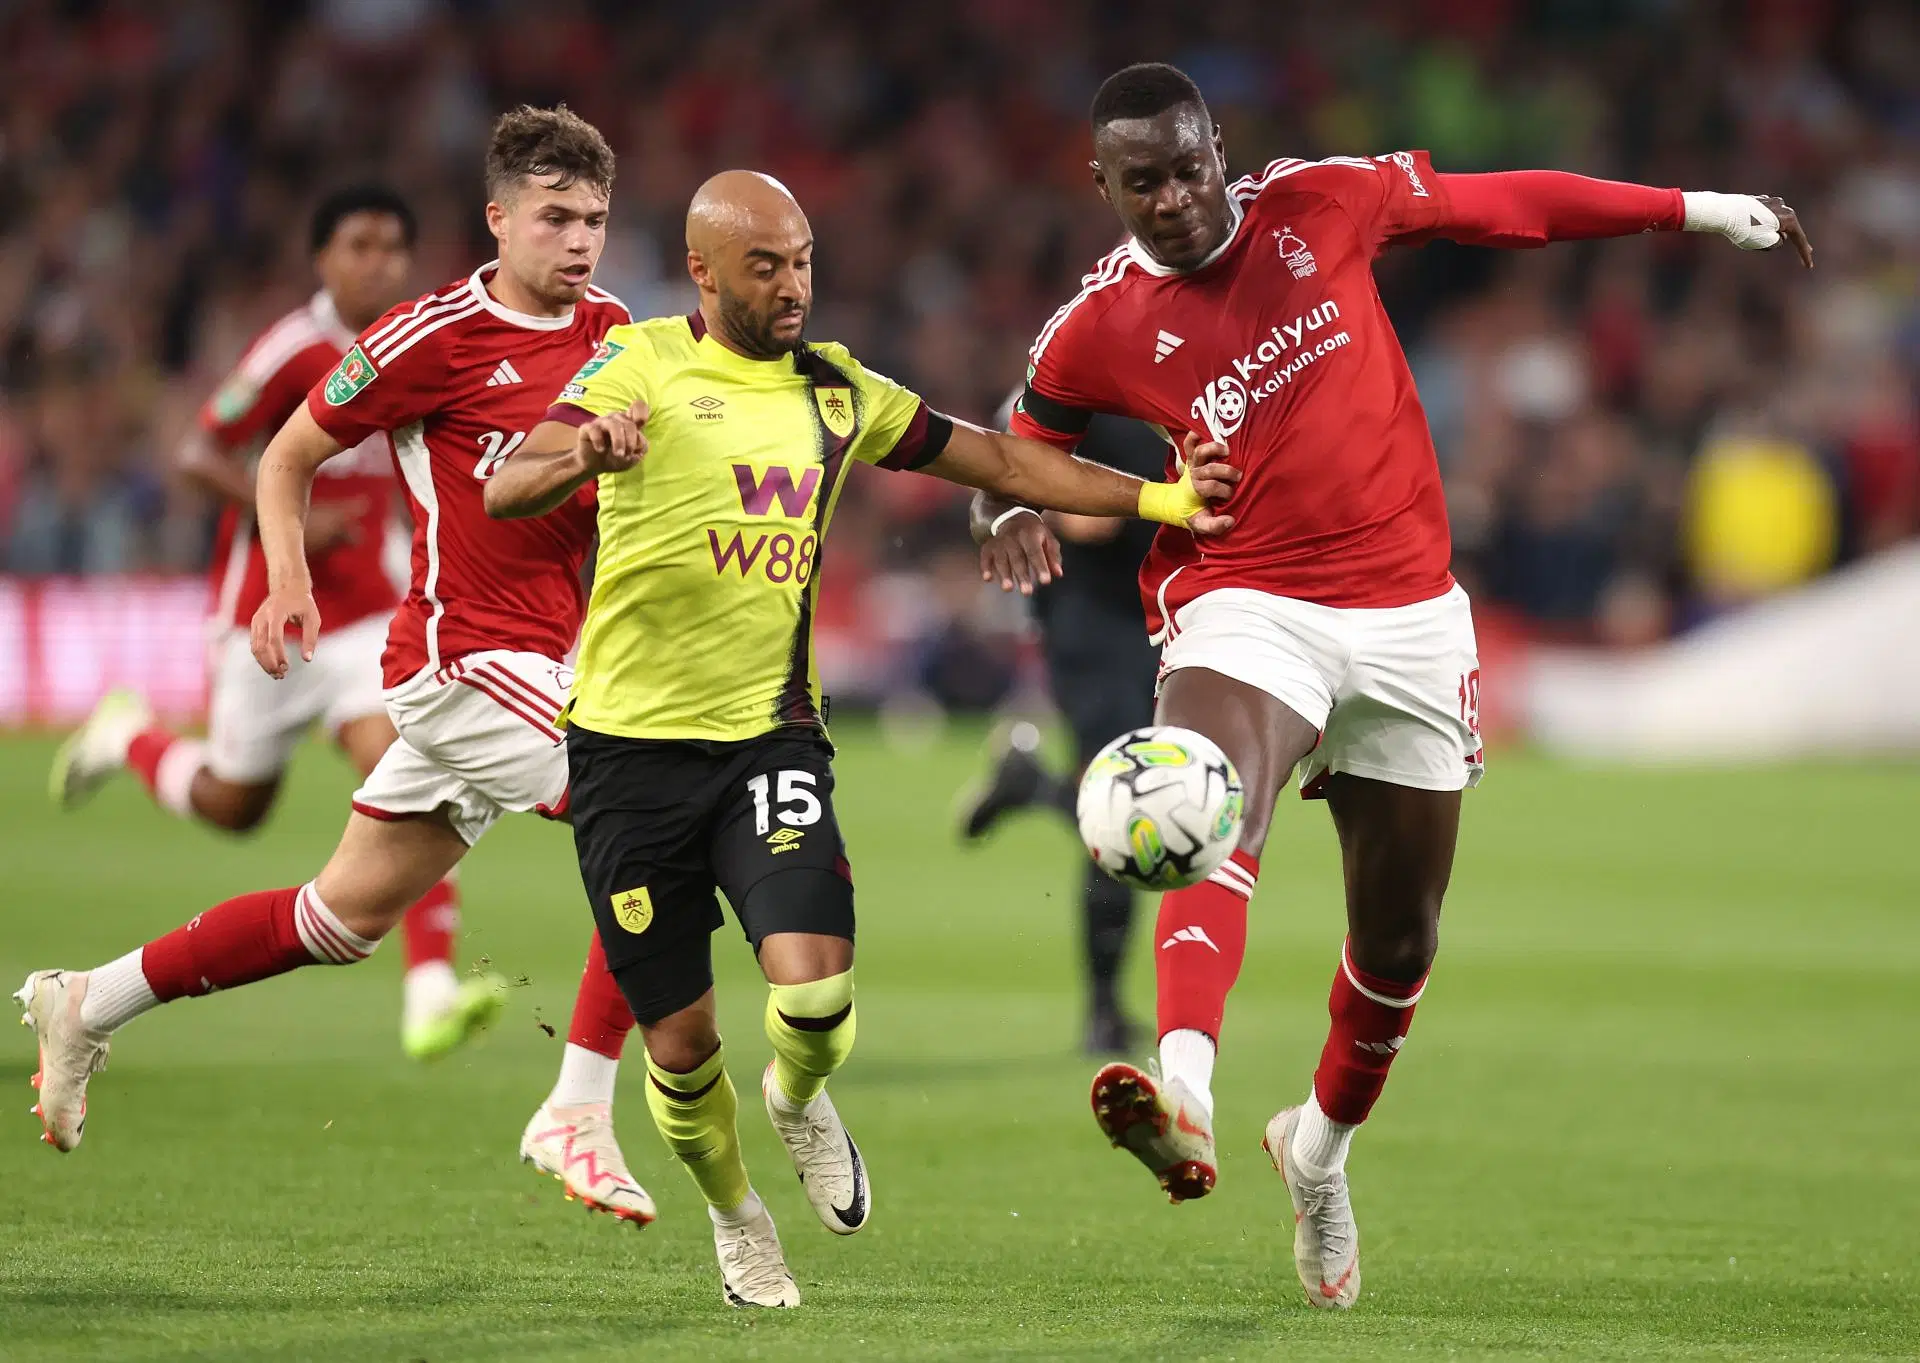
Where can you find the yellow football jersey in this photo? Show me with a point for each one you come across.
(701, 619)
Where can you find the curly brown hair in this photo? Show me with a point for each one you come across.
(529, 142)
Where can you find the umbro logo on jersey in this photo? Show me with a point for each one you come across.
(503, 373)
(1166, 344)
(1191, 934)
(785, 840)
(707, 408)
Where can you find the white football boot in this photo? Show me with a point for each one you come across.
(70, 1053)
(825, 1157)
(1160, 1124)
(97, 749)
(1326, 1242)
(576, 1146)
(753, 1271)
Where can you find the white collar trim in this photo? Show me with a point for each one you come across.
(1144, 259)
(507, 314)
(327, 317)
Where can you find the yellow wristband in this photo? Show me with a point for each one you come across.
(1170, 503)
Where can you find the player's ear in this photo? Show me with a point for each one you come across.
(1100, 182)
(1220, 147)
(697, 269)
(497, 220)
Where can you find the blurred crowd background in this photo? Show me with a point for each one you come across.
(1636, 435)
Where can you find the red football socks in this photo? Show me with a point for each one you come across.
(1370, 1019)
(1201, 934)
(144, 754)
(249, 938)
(601, 1018)
(431, 925)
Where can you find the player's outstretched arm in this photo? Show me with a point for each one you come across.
(281, 491)
(562, 456)
(1031, 473)
(1521, 208)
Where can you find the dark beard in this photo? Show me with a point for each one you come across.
(753, 334)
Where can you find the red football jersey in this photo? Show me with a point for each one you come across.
(271, 380)
(457, 380)
(1279, 346)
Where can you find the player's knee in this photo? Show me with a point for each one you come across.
(230, 805)
(1403, 953)
(682, 1042)
(812, 1028)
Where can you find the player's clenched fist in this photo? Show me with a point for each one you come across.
(284, 606)
(615, 442)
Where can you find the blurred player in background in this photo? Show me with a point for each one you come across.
(362, 242)
(472, 667)
(1325, 631)
(1100, 668)
(696, 732)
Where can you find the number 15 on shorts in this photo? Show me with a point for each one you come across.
(789, 795)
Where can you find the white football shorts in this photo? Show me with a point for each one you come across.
(479, 737)
(254, 722)
(1394, 691)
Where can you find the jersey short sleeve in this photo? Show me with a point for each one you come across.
(612, 379)
(1396, 198)
(893, 428)
(254, 400)
(392, 377)
(1066, 378)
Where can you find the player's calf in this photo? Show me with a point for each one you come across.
(812, 1028)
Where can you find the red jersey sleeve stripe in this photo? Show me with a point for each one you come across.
(567, 414)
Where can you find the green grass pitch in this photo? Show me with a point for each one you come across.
(1661, 1102)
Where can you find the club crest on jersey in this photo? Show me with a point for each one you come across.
(354, 372)
(1295, 253)
(633, 909)
(836, 410)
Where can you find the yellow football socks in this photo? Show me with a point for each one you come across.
(696, 1115)
(811, 1027)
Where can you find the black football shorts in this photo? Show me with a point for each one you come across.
(661, 824)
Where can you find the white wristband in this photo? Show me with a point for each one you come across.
(1740, 218)
(1006, 516)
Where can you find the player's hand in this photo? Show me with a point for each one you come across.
(334, 523)
(615, 442)
(283, 607)
(1213, 478)
(1753, 222)
(1023, 551)
(1790, 228)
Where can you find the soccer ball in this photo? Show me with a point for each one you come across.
(1160, 808)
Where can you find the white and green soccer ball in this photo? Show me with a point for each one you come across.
(1160, 808)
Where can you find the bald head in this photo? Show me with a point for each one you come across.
(740, 203)
(750, 250)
